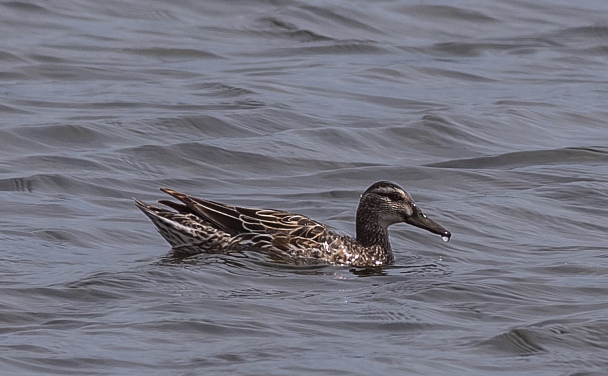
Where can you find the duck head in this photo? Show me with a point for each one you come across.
(385, 203)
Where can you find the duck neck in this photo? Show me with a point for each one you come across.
(370, 232)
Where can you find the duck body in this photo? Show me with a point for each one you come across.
(202, 226)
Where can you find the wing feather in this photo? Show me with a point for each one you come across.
(238, 220)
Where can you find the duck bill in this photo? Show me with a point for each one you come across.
(419, 219)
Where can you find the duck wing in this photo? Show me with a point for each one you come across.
(238, 220)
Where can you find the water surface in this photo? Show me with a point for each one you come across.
(493, 116)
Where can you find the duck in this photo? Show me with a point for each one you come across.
(195, 225)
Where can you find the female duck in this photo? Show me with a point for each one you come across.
(199, 225)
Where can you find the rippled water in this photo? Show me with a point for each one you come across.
(492, 115)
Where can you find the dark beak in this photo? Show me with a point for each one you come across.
(419, 219)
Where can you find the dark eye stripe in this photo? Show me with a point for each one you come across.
(393, 196)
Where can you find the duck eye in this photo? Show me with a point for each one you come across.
(395, 197)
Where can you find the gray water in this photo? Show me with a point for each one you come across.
(491, 114)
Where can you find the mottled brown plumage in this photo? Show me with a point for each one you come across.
(198, 226)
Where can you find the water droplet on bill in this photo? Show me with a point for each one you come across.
(445, 238)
